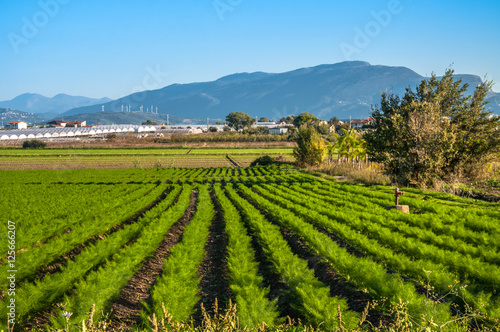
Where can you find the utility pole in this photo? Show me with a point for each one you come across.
(167, 119)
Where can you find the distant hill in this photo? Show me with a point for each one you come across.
(8, 115)
(49, 107)
(342, 90)
(109, 117)
(494, 102)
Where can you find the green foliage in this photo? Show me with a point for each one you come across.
(323, 129)
(245, 282)
(262, 161)
(310, 148)
(348, 146)
(239, 120)
(177, 288)
(289, 119)
(149, 123)
(313, 298)
(212, 129)
(263, 119)
(435, 133)
(303, 118)
(34, 144)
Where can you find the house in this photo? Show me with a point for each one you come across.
(278, 130)
(17, 125)
(56, 123)
(76, 123)
(361, 123)
(61, 123)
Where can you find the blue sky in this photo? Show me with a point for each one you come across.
(111, 48)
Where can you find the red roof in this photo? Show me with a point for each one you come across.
(14, 122)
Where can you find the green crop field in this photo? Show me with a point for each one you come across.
(275, 241)
(77, 158)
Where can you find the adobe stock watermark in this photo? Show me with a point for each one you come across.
(31, 27)
(224, 6)
(154, 79)
(364, 36)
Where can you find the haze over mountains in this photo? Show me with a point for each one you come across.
(347, 89)
(49, 107)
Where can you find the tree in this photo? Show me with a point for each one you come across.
(310, 149)
(239, 120)
(289, 119)
(303, 118)
(149, 122)
(263, 119)
(436, 133)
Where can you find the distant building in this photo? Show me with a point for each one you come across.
(361, 123)
(61, 123)
(17, 125)
(278, 130)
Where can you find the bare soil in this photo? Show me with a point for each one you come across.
(127, 307)
(213, 271)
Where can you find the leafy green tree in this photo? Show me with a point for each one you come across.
(263, 119)
(323, 129)
(239, 120)
(437, 132)
(303, 118)
(311, 148)
(289, 119)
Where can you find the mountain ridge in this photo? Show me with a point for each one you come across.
(49, 107)
(344, 89)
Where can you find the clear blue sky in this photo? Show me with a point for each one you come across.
(110, 48)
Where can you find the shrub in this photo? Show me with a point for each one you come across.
(34, 144)
(263, 161)
(310, 148)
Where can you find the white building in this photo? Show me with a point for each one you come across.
(278, 130)
(17, 125)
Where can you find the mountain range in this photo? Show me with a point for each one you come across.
(346, 89)
(49, 107)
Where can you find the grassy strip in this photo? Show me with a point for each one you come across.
(37, 296)
(36, 257)
(402, 223)
(362, 271)
(246, 284)
(463, 264)
(103, 285)
(447, 222)
(177, 288)
(313, 297)
(425, 271)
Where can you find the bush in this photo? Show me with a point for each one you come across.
(34, 144)
(263, 161)
(310, 148)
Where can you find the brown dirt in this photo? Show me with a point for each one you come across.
(356, 300)
(484, 192)
(127, 307)
(234, 163)
(214, 271)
